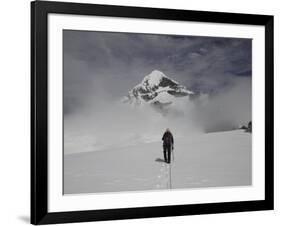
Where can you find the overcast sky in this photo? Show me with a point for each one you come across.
(107, 65)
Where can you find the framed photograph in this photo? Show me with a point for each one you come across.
(144, 112)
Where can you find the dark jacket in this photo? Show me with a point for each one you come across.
(168, 138)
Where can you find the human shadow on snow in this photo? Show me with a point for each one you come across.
(159, 160)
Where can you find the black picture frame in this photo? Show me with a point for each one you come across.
(39, 112)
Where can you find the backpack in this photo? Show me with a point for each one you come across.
(167, 139)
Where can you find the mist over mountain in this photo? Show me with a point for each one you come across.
(212, 111)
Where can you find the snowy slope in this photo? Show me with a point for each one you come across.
(203, 160)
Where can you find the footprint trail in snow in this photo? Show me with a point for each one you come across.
(163, 179)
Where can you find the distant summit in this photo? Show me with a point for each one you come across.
(158, 90)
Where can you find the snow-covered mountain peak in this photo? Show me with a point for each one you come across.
(158, 90)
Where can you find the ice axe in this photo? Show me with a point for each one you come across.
(173, 154)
